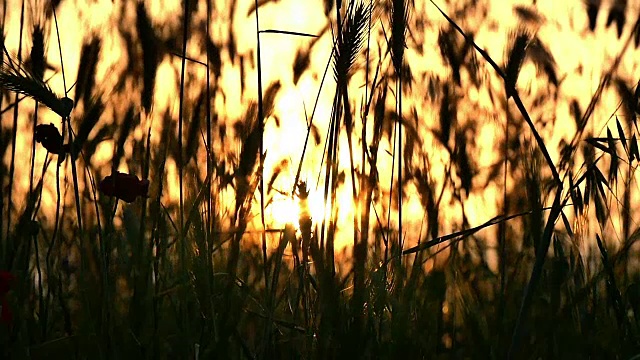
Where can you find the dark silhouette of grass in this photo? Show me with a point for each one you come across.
(11, 242)
(205, 274)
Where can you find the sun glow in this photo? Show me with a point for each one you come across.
(283, 209)
(578, 65)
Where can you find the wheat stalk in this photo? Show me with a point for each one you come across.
(16, 79)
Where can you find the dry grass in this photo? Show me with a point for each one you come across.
(204, 274)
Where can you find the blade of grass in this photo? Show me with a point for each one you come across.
(14, 132)
(261, 129)
(285, 32)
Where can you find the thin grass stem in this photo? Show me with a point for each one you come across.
(14, 133)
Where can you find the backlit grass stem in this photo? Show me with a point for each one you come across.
(11, 244)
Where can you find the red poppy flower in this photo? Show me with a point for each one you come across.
(126, 187)
(50, 138)
(6, 279)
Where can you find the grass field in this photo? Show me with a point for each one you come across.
(379, 179)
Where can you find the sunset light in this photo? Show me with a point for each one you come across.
(319, 179)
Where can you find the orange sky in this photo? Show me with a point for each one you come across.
(581, 56)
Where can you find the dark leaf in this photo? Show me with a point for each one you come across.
(600, 180)
(623, 138)
(613, 164)
(587, 189)
(575, 197)
(579, 200)
(601, 209)
(636, 33)
(567, 225)
(596, 142)
(635, 154)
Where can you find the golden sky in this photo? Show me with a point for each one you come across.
(581, 56)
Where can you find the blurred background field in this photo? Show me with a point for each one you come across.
(355, 180)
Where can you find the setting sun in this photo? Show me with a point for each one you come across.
(319, 179)
(284, 211)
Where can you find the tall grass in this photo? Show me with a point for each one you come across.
(196, 269)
